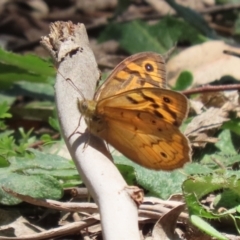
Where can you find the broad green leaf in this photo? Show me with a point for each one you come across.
(43, 91)
(38, 186)
(42, 176)
(15, 68)
(138, 36)
(153, 181)
(133, 37)
(225, 143)
(171, 30)
(29, 63)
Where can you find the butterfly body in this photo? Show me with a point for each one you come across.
(140, 122)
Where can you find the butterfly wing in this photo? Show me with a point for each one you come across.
(145, 69)
(142, 125)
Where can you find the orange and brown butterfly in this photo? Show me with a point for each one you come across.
(133, 112)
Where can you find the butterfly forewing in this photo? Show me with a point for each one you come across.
(140, 70)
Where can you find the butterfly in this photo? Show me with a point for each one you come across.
(135, 113)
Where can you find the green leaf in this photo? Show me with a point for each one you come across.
(138, 36)
(197, 187)
(121, 7)
(43, 91)
(43, 176)
(197, 168)
(133, 37)
(3, 162)
(28, 62)
(54, 123)
(192, 18)
(15, 68)
(194, 206)
(237, 26)
(233, 125)
(37, 110)
(7, 146)
(153, 181)
(128, 173)
(206, 227)
(171, 30)
(46, 138)
(203, 185)
(11, 74)
(4, 108)
(238, 208)
(227, 199)
(225, 143)
(184, 81)
(226, 160)
(37, 186)
(25, 136)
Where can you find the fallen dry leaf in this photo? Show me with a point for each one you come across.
(13, 224)
(165, 228)
(163, 8)
(199, 130)
(206, 62)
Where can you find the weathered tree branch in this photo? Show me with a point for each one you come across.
(68, 45)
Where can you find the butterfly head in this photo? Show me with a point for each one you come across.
(87, 107)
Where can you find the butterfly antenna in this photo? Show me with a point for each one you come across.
(73, 85)
(167, 55)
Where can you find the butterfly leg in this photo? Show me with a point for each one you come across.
(75, 131)
(87, 142)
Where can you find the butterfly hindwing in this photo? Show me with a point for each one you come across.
(163, 104)
(158, 146)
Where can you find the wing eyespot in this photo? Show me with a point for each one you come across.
(166, 100)
(149, 67)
